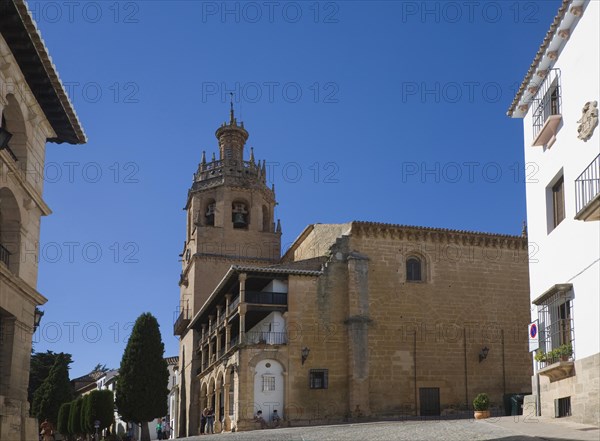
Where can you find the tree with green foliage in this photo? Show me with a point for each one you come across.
(142, 385)
(99, 407)
(54, 391)
(75, 417)
(85, 426)
(39, 369)
(63, 419)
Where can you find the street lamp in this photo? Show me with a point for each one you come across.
(483, 354)
(305, 352)
(37, 318)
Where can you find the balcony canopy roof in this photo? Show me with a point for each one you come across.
(556, 38)
(257, 278)
(20, 32)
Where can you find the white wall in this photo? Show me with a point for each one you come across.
(267, 401)
(571, 252)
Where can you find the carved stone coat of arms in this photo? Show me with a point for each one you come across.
(588, 121)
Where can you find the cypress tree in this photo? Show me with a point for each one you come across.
(75, 417)
(142, 385)
(63, 419)
(54, 391)
(99, 407)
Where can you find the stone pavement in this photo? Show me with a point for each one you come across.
(493, 429)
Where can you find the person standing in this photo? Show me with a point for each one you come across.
(203, 421)
(166, 429)
(47, 430)
(210, 421)
(159, 429)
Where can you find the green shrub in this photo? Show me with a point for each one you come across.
(481, 402)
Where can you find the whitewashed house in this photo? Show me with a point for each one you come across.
(558, 102)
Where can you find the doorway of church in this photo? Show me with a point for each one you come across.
(429, 399)
(269, 390)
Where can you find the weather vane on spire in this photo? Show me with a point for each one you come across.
(231, 119)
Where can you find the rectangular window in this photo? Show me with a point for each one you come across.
(555, 318)
(558, 201)
(562, 407)
(318, 379)
(268, 383)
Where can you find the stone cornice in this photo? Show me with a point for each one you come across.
(440, 235)
(19, 285)
(21, 180)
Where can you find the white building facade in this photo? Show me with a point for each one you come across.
(558, 102)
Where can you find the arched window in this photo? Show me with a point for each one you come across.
(414, 270)
(239, 215)
(10, 231)
(209, 214)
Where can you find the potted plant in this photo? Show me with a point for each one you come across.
(563, 352)
(481, 404)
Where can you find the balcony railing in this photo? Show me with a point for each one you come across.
(266, 298)
(182, 321)
(587, 192)
(556, 342)
(4, 255)
(218, 168)
(233, 305)
(547, 108)
(265, 337)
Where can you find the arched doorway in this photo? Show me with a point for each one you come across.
(269, 388)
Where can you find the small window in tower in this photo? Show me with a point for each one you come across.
(413, 270)
(210, 214)
(239, 215)
(228, 153)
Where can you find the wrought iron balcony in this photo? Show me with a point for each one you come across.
(265, 337)
(233, 305)
(182, 322)
(546, 114)
(587, 192)
(266, 298)
(219, 168)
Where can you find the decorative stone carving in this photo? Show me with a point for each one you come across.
(542, 73)
(564, 33)
(553, 55)
(588, 121)
(576, 11)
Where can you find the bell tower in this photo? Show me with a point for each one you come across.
(230, 221)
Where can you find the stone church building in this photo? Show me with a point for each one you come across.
(356, 320)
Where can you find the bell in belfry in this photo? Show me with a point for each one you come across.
(239, 220)
(240, 215)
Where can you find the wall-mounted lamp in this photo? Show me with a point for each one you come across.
(483, 354)
(305, 352)
(37, 318)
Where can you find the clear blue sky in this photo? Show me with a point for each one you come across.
(390, 112)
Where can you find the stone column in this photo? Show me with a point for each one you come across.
(226, 418)
(242, 278)
(218, 344)
(242, 321)
(227, 337)
(227, 303)
(358, 335)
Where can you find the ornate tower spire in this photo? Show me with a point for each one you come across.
(232, 138)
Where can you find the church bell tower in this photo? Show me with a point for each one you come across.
(230, 221)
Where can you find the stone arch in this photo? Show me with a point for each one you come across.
(13, 117)
(269, 387)
(10, 230)
(209, 211)
(416, 267)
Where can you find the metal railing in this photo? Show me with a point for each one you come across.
(4, 255)
(181, 321)
(265, 337)
(266, 298)
(587, 185)
(556, 342)
(549, 101)
(222, 167)
(233, 305)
